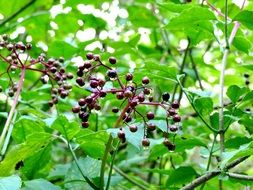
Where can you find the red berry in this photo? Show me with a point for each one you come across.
(88, 100)
(146, 91)
(150, 115)
(145, 80)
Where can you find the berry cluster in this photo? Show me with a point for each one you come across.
(247, 79)
(130, 93)
(52, 69)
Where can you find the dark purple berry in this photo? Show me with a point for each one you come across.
(145, 142)
(70, 76)
(89, 56)
(146, 91)
(141, 97)
(76, 109)
(81, 102)
(133, 128)
(129, 77)
(79, 73)
(145, 80)
(171, 112)
(166, 96)
(112, 74)
(173, 128)
(246, 75)
(112, 60)
(121, 134)
(80, 81)
(85, 124)
(93, 84)
(87, 65)
(88, 100)
(176, 118)
(175, 105)
(120, 95)
(115, 110)
(128, 93)
(151, 126)
(150, 115)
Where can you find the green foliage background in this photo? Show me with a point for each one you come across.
(148, 38)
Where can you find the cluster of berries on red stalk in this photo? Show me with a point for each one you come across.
(130, 93)
(51, 69)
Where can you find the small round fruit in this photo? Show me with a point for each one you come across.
(120, 95)
(80, 81)
(81, 102)
(146, 91)
(176, 118)
(246, 75)
(133, 128)
(89, 56)
(151, 126)
(88, 100)
(129, 77)
(93, 84)
(145, 142)
(247, 82)
(96, 57)
(175, 105)
(150, 115)
(128, 93)
(115, 110)
(112, 60)
(85, 124)
(76, 109)
(121, 134)
(141, 97)
(145, 80)
(167, 142)
(173, 128)
(50, 103)
(112, 74)
(171, 112)
(166, 96)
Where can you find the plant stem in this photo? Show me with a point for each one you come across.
(128, 178)
(240, 176)
(193, 106)
(206, 177)
(17, 13)
(111, 165)
(13, 107)
(102, 169)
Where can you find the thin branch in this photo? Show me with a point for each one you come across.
(129, 179)
(206, 177)
(240, 176)
(17, 13)
(195, 70)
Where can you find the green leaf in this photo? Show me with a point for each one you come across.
(184, 144)
(245, 17)
(181, 175)
(26, 125)
(34, 143)
(62, 49)
(247, 121)
(242, 44)
(244, 150)
(204, 105)
(173, 7)
(234, 92)
(90, 168)
(10, 183)
(39, 184)
(66, 128)
(187, 19)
